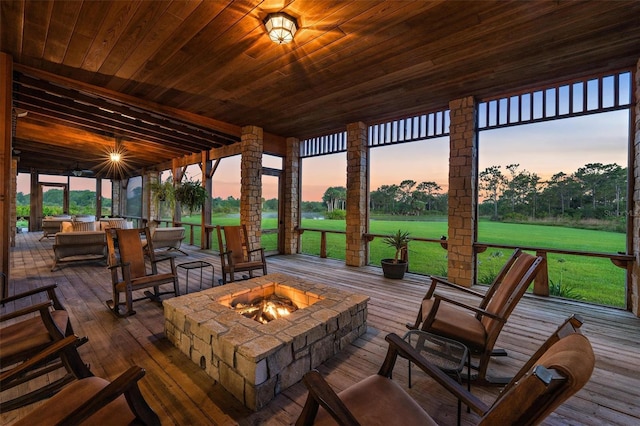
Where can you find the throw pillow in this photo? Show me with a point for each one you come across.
(84, 226)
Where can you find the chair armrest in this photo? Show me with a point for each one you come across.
(258, 250)
(44, 306)
(475, 309)
(45, 354)
(29, 293)
(127, 384)
(320, 393)
(397, 346)
(119, 265)
(441, 280)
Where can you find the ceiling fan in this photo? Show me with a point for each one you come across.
(78, 172)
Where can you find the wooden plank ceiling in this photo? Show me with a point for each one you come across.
(165, 79)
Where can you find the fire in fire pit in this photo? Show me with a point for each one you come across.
(265, 309)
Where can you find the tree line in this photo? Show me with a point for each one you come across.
(594, 191)
(409, 198)
(80, 202)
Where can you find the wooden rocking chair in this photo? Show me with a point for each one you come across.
(129, 259)
(478, 327)
(235, 253)
(25, 336)
(560, 368)
(90, 399)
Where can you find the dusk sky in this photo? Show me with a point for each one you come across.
(543, 148)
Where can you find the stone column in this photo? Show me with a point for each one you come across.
(117, 193)
(251, 144)
(291, 202)
(463, 173)
(633, 293)
(357, 186)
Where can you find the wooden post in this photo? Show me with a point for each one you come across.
(207, 182)
(6, 95)
(541, 282)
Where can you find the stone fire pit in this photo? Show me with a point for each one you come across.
(255, 361)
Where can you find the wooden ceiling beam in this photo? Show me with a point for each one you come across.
(133, 101)
(72, 114)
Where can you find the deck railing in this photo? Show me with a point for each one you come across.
(541, 283)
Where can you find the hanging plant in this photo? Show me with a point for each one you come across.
(163, 193)
(192, 195)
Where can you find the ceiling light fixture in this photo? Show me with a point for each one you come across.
(281, 27)
(115, 156)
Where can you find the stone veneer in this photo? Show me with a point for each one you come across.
(255, 361)
(462, 196)
(357, 192)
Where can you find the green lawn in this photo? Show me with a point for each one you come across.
(584, 278)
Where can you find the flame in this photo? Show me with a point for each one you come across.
(265, 310)
(274, 311)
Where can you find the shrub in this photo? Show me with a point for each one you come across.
(336, 215)
(562, 290)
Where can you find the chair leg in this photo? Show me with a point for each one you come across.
(129, 302)
(113, 304)
(176, 285)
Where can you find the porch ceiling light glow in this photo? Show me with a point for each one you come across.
(115, 156)
(281, 27)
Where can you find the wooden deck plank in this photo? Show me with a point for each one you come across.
(181, 393)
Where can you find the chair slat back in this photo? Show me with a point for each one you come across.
(131, 251)
(511, 289)
(531, 399)
(234, 242)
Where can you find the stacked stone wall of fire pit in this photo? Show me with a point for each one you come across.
(255, 361)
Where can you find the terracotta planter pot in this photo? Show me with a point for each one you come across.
(393, 270)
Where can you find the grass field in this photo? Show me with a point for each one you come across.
(578, 277)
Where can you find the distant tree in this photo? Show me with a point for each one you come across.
(384, 198)
(335, 197)
(492, 182)
(270, 205)
(594, 176)
(560, 187)
(22, 199)
(428, 188)
(312, 206)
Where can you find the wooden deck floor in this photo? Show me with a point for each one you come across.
(182, 394)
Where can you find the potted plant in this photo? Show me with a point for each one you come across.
(191, 194)
(396, 267)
